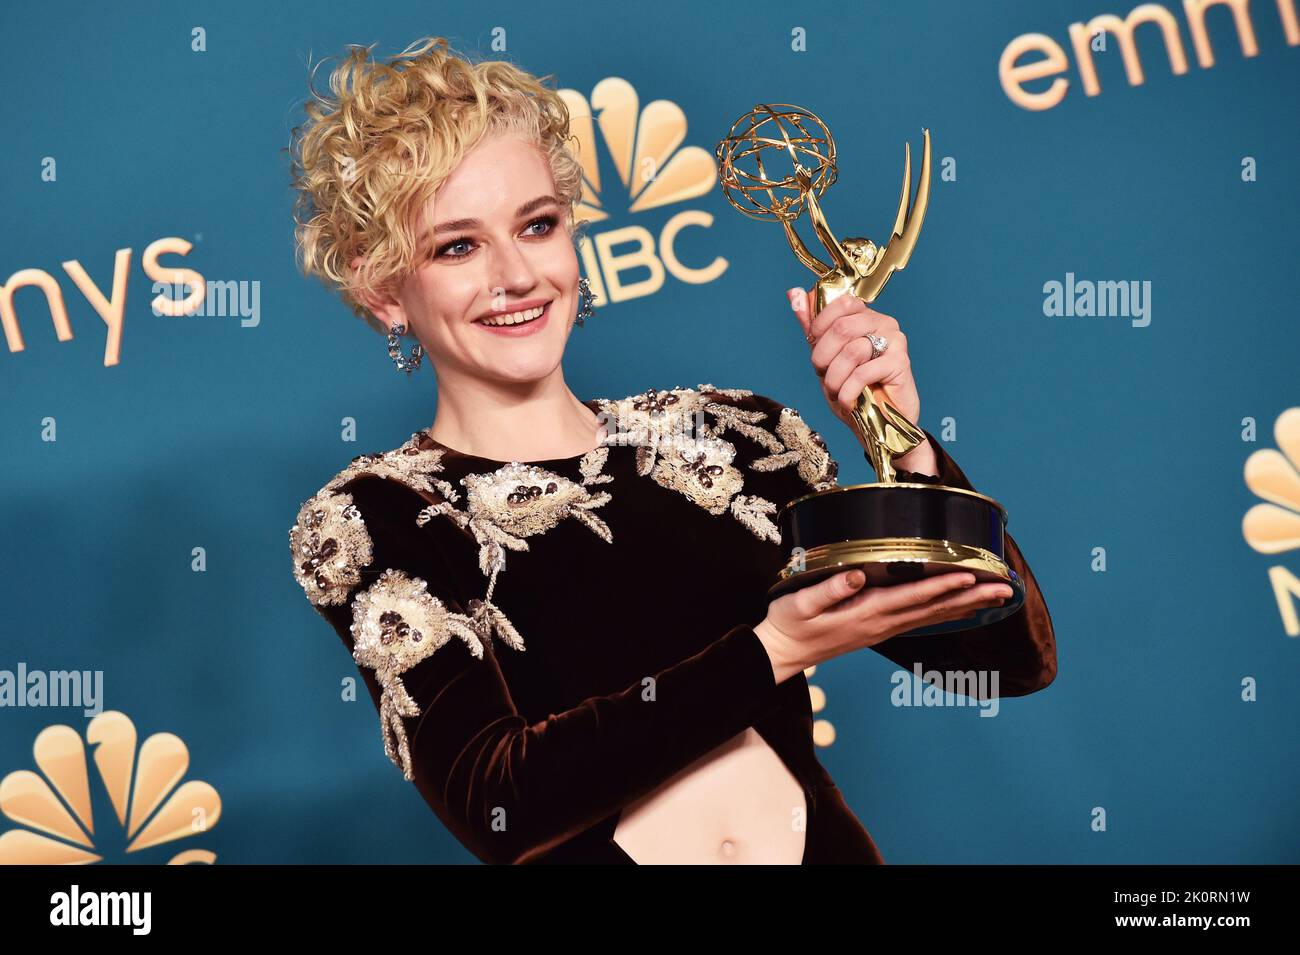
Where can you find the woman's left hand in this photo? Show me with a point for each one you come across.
(841, 354)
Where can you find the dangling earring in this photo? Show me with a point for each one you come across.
(403, 363)
(587, 298)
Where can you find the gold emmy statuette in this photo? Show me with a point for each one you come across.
(894, 531)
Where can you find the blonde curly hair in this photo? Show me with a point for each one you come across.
(367, 162)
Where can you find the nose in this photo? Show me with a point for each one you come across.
(511, 268)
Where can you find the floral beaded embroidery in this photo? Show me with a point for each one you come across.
(330, 544)
(808, 452)
(329, 541)
(701, 469)
(514, 502)
(397, 623)
(652, 418)
(408, 464)
(520, 500)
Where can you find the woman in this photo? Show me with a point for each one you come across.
(558, 605)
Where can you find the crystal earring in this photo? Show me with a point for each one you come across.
(585, 309)
(402, 362)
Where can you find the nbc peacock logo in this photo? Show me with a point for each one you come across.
(151, 809)
(1274, 527)
(655, 170)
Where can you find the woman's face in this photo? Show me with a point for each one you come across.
(500, 243)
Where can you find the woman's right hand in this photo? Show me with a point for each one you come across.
(835, 616)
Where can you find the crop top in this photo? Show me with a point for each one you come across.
(546, 642)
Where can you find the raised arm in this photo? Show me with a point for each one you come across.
(507, 788)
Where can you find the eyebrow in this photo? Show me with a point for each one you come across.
(455, 225)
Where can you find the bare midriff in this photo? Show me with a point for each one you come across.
(737, 804)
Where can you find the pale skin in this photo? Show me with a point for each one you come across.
(504, 397)
(500, 397)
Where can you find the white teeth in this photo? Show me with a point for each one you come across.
(514, 318)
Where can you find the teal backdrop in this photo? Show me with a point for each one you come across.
(1117, 445)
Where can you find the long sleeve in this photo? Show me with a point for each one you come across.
(1021, 647)
(507, 788)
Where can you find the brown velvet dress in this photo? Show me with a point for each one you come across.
(547, 642)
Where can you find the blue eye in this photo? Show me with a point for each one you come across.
(549, 221)
(452, 245)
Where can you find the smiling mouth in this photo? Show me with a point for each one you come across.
(511, 319)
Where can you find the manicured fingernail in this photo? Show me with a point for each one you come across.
(1004, 591)
(968, 582)
(856, 578)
